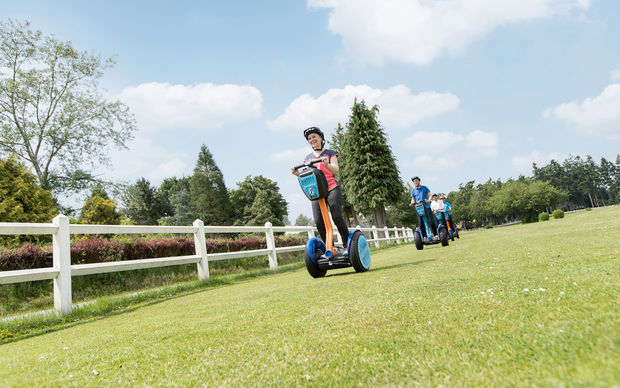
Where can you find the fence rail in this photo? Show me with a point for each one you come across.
(62, 270)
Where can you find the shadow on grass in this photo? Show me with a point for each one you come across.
(382, 268)
(28, 327)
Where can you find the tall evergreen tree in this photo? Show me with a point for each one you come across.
(336, 144)
(210, 198)
(368, 171)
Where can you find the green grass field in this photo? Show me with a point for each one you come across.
(525, 305)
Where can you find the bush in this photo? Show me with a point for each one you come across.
(98, 250)
(544, 216)
(558, 213)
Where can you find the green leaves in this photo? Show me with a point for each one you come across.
(368, 172)
(52, 114)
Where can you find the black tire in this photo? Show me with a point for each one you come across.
(457, 233)
(359, 252)
(417, 238)
(443, 237)
(452, 236)
(311, 266)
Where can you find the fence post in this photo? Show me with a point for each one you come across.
(310, 232)
(396, 235)
(387, 234)
(200, 245)
(271, 244)
(375, 235)
(61, 258)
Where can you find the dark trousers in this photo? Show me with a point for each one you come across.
(432, 222)
(334, 202)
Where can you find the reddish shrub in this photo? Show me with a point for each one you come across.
(25, 257)
(97, 250)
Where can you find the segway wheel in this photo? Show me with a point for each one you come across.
(443, 237)
(417, 239)
(456, 233)
(359, 252)
(314, 245)
(451, 235)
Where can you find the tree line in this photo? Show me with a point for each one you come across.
(54, 124)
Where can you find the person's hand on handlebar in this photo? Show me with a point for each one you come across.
(294, 171)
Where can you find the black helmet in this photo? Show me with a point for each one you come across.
(316, 130)
(415, 177)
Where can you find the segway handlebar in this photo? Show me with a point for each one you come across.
(308, 163)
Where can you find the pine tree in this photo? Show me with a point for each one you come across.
(21, 199)
(210, 198)
(336, 145)
(368, 171)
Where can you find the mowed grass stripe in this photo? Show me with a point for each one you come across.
(522, 305)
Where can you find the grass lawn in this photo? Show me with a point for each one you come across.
(525, 305)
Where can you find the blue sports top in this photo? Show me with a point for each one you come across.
(447, 206)
(421, 194)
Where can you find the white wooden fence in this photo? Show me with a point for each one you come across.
(62, 269)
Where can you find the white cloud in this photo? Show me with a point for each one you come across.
(398, 108)
(290, 156)
(448, 139)
(476, 143)
(417, 31)
(165, 106)
(599, 116)
(148, 160)
(523, 163)
(484, 143)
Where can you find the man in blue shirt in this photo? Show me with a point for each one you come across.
(422, 194)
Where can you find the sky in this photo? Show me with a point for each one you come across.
(466, 89)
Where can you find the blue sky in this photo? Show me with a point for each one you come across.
(467, 89)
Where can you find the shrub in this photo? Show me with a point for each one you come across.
(558, 213)
(97, 250)
(544, 216)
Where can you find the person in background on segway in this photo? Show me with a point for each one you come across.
(437, 206)
(329, 167)
(422, 194)
(447, 208)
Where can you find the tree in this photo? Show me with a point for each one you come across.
(52, 113)
(209, 195)
(246, 212)
(167, 189)
(21, 199)
(99, 209)
(141, 206)
(335, 144)
(400, 213)
(174, 198)
(368, 171)
(303, 221)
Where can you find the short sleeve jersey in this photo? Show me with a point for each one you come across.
(447, 206)
(421, 194)
(331, 179)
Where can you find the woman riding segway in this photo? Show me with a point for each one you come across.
(317, 181)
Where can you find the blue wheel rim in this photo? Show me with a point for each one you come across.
(363, 250)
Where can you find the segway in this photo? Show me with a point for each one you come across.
(322, 256)
(442, 219)
(430, 238)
